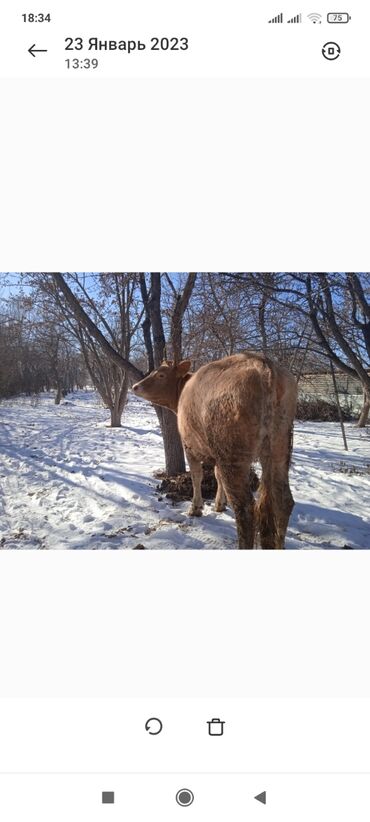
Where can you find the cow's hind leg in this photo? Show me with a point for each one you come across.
(265, 519)
(283, 501)
(196, 470)
(220, 501)
(236, 483)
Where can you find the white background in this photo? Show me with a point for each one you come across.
(185, 175)
(185, 624)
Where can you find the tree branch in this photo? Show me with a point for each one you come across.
(88, 323)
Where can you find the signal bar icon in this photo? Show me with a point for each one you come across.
(277, 19)
(296, 19)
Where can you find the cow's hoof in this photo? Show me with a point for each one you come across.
(220, 506)
(195, 511)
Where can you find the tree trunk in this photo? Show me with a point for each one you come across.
(116, 410)
(181, 304)
(173, 450)
(115, 417)
(58, 395)
(365, 410)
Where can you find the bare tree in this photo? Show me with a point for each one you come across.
(154, 337)
(111, 301)
(56, 354)
(323, 315)
(336, 330)
(231, 313)
(35, 352)
(86, 322)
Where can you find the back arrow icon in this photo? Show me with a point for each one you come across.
(33, 49)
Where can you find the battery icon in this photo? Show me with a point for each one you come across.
(338, 17)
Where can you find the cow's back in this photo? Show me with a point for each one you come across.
(228, 405)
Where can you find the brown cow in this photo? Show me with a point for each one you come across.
(233, 412)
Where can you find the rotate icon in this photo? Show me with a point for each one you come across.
(154, 726)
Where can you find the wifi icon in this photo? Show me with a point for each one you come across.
(315, 18)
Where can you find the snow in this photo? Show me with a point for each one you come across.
(68, 480)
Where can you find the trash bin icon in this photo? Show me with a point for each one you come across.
(215, 727)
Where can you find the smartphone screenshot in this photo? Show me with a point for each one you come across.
(184, 412)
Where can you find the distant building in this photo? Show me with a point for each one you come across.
(320, 384)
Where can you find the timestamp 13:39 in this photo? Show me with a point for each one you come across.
(86, 63)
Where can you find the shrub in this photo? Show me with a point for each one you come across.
(320, 410)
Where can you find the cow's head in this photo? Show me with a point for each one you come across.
(164, 386)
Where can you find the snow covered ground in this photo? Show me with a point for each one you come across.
(70, 481)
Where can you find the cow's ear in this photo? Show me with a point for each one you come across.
(183, 367)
